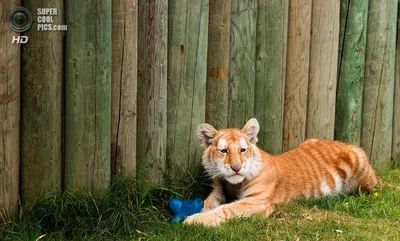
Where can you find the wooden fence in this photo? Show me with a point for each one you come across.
(122, 91)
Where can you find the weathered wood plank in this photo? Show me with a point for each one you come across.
(41, 107)
(187, 66)
(218, 63)
(88, 95)
(396, 104)
(9, 115)
(124, 87)
(323, 69)
(376, 138)
(298, 56)
(242, 62)
(351, 67)
(271, 44)
(152, 89)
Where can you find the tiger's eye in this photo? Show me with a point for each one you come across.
(223, 151)
(242, 150)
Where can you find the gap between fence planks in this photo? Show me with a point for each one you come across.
(396, 108)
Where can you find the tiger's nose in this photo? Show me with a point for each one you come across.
(236, 167)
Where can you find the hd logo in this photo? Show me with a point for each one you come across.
(19, 39)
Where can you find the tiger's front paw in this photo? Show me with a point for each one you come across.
(204, 210)
(209, 208)
(210, 205)
(200, 218)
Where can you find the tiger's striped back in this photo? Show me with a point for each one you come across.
(322, 167)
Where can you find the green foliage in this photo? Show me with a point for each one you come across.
(134, 210)
(126, 208)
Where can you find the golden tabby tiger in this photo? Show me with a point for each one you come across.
(255, 180)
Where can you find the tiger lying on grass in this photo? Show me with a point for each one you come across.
(255, 180)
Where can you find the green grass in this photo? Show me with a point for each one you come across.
(132, 211)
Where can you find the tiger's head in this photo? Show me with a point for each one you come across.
(231, 154)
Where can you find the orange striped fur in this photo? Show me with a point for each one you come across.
(255, 180)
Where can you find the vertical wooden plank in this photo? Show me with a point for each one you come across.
(271, 44)
(41, 107)
(187, 66)
(88, 95)
(124, 87)
(396, 104)
(379, 82)
(152, 89)
(323, 69)
(298, 56)
(218, 63)
(9, 114)
(350, 85)
(242, 62)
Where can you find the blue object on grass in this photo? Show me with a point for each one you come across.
(184, 208)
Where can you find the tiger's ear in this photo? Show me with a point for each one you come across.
(251, 129)
(206, 133)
